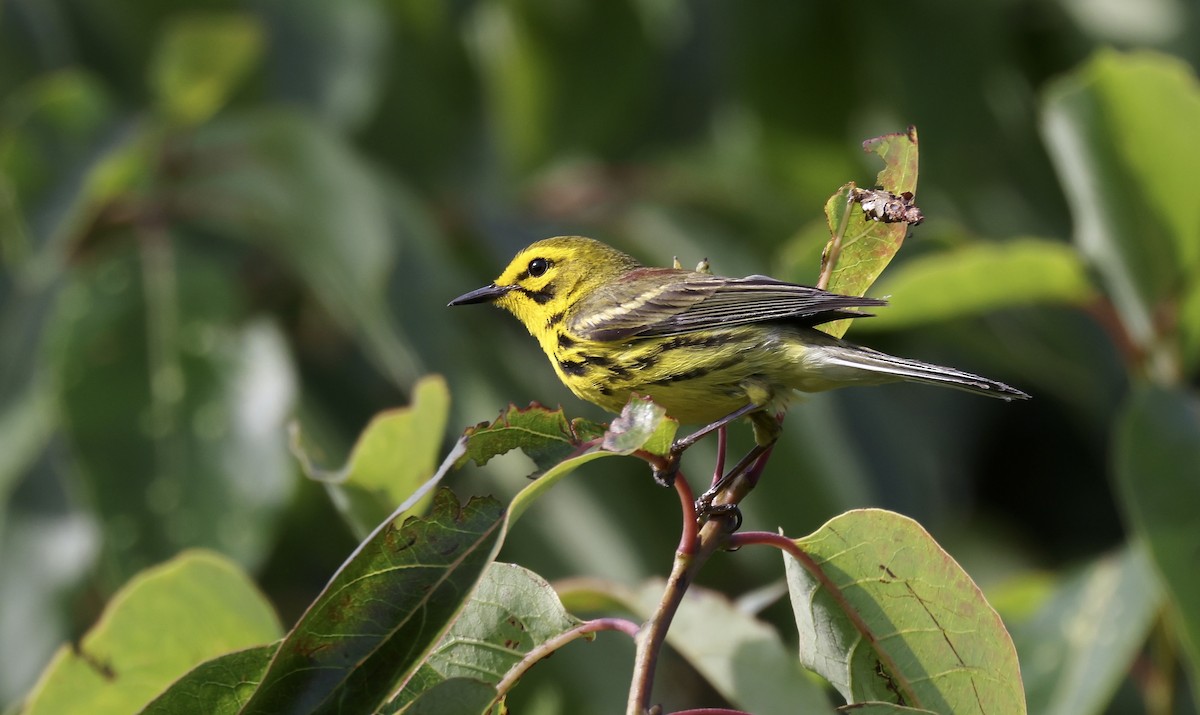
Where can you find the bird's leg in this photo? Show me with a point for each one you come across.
(751, 466)
(666, 474)
(752, 463)
(722, 441)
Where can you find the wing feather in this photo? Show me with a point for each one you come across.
(661, 302)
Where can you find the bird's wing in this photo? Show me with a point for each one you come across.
(659, 302)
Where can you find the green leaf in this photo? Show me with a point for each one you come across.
(876, 708)
(544, 435)
(174, 410)
(1076, 650)
(740, 656)
(886, 615)
(158, 626)
(511, 611)
(382, 613)
(1156, 458)
(220, 686)
(868, 246)
(554, 444)
(396, 453)
(199, 62)
(641, 425)
(456, 696)
(978, 279)
(559, 447)
(1120, 131)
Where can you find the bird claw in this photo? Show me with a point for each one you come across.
(705, 509)
(665, 477)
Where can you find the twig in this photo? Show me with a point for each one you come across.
(688, 539)
(654, 632)
(722, 440)
(834, 249)
(696, 545)
(596, 625)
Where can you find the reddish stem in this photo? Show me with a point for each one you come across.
(688, 540)
(654, 633)
(536, 654)
(722, 439)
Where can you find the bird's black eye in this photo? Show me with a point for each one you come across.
(538, 266)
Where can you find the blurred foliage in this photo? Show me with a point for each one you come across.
(216, 217)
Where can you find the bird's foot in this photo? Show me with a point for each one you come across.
(705, 510)
(665, 475)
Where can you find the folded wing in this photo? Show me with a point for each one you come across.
(660, 302)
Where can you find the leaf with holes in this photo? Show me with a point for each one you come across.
(886, 615)
(559, 447)
(866, 247)
(641, 426)
(544, 435)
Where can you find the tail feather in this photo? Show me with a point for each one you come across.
(872, 361)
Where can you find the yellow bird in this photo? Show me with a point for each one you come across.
(708, 349)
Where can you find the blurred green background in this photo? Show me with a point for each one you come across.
(217, 217)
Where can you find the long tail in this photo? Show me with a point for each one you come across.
(874, 362)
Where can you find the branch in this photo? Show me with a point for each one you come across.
(696, 545)
(688, 540)
(834, 249)
(654, 632)
(546, 649)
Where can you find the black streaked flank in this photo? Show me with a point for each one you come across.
(565, 341)
(573, 367)
(555, 319)
(698, 341)
(618, 371)
(698, 372)
(645, 362)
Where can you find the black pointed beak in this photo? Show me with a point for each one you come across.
(485, 294)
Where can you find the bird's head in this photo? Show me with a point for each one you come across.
(547, 278)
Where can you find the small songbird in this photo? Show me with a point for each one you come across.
(708, 349)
